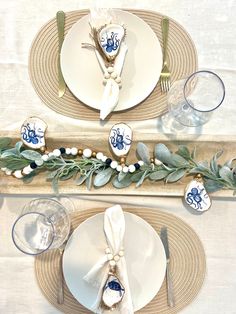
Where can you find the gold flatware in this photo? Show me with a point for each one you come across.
(60, 287)
(60, 28)
(165, 73)
(169, 282)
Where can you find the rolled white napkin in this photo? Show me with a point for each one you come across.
(111, 92)
(114, 229)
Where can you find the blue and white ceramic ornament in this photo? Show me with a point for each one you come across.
(33, 133)
(196, 195)
(110, 38)
(113, 292)
(120, 139)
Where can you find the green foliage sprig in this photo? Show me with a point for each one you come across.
(168, 167)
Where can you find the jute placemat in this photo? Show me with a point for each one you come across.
(188, 264)
(43, 69)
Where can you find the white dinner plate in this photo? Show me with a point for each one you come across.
(141, 71)
(144, 253)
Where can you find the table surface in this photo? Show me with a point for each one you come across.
(212, 26)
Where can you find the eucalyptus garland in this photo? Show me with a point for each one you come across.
(163, 165)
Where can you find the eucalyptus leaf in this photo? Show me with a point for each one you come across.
(5, 142)
(214, 167)
(229, 162)
(121, 176)
(203, 163)
(67, 176)
(29, 177)
(178, 161)
(31, 155)
(10, 152)
(80, 180)
(3, 163)
(122, 184)
(158, 175)
(184, 152)
(212, 186)
(18, 146)
(137, 176)
(55, 185)
(143, 152)
(52, 174)
(162, 153)
(193, 153)
(14, 163)
(202, 167)
(226, 174)
(103, 177)
(89, 180)
(213, 163)
(170, 169)
(176, 175)
(140, 182)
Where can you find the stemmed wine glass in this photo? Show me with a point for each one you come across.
(192, 100)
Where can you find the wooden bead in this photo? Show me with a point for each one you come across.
(122, 161)
(109, 256)
(94, 154)
(112, 263)
(80, 152)
(42, 149)
(116, 258)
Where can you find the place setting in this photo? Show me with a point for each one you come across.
(164, 273)
(125, 81)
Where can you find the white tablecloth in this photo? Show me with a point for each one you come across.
(212, 26)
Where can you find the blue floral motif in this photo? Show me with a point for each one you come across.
(118, 140)
(31, 135)
(114, 285)
(111, 43)
(195, 198)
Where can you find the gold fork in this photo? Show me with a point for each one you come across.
(165, 73)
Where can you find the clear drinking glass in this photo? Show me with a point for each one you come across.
(191, 101)
(43, 224)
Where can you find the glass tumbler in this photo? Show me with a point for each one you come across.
(191, 101)
(43, 224)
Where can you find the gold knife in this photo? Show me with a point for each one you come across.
(60, 29)
(170, 288)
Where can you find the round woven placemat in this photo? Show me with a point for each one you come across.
(43, 69)
(188, 264)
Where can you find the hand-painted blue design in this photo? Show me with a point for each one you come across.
(31, 135)
(114, 285)
(110, 43)
(194, 198)
(118, 140)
